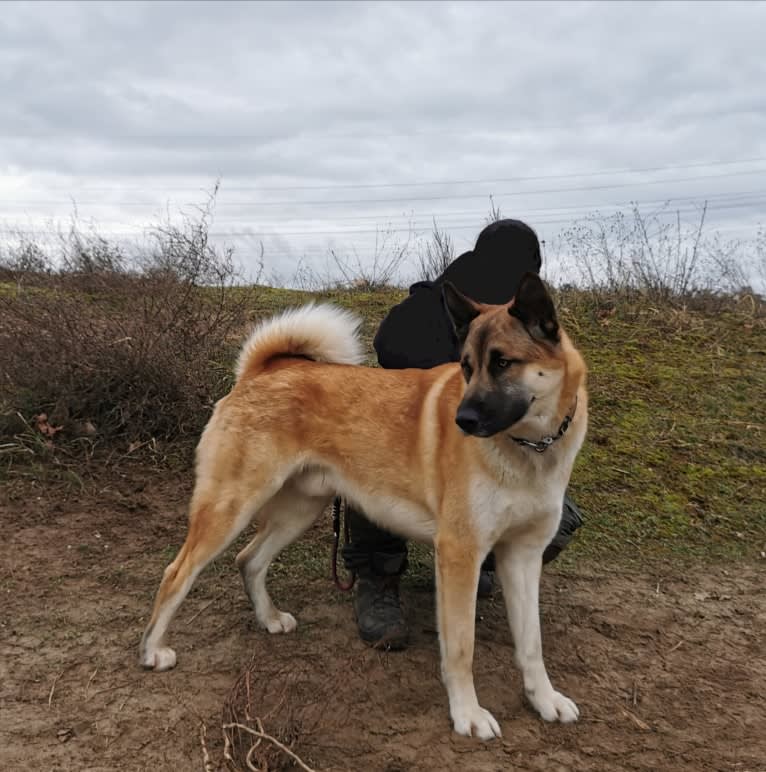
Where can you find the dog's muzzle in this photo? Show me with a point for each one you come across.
(490, 416)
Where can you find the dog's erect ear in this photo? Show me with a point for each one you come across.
(462, 309)
(534, 308)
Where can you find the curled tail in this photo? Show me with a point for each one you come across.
(324, 333)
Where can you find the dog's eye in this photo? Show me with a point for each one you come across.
(467, 370)
(500, 362)
(503, 363)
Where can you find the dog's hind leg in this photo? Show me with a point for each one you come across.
(286, 516)
(216, 519)
(519, 567)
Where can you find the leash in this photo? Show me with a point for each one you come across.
(347, 585)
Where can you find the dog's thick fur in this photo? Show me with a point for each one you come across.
(304, 422)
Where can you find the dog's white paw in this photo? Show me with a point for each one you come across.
(160, 659)
(476, 722)
(281, 622)
(554, 706)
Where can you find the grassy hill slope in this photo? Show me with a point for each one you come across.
(675, 460)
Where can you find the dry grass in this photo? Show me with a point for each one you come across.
(110, 350)
(263, 722)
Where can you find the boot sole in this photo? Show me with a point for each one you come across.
(390, 643)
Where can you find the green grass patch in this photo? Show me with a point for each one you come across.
(675, 461)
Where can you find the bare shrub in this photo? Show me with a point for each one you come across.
(435, 255)
(308, 279)
(135, 348)
(91, 254)
(722, 260)
(758, 262)
(351, 271)
(23, 259)
(379, 272)
(658, 255)
(494, 215)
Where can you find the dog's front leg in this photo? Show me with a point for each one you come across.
(457, 578)
(519, 567)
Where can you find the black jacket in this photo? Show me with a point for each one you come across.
(418, 332)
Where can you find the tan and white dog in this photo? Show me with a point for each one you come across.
(471, 457)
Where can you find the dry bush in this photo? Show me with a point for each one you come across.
(276, 716)
(494, 214)
(350, 271)
(378, 273)
(656, 256)
(116, 347)
(758, 259)
(266, 715)
(435, 256)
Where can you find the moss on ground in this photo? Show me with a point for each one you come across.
(675, 460)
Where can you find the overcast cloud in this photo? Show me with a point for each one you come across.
(129, 108)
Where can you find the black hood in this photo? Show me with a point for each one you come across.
(492, 271)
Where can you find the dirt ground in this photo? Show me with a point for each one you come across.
(667, 665)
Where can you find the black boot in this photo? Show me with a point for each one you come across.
(379, 558)
(486, 577)
(379, 613)
(571, 520)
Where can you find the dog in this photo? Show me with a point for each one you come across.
(471, 456)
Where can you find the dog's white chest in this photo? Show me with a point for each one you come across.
(523, 502)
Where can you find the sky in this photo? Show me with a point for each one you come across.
(339, 126)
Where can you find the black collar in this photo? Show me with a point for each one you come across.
(542, 445)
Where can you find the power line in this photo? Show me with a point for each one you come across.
(492, 181)
(446, 215)
(442, 216)
(250, 204)
(484, 181)
(412, 228)
(356, 232)
(744, 197)
(462, 226)
(449, 226)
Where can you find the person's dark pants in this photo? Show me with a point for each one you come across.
(371, 549)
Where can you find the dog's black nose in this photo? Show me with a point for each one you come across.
(467, 419)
